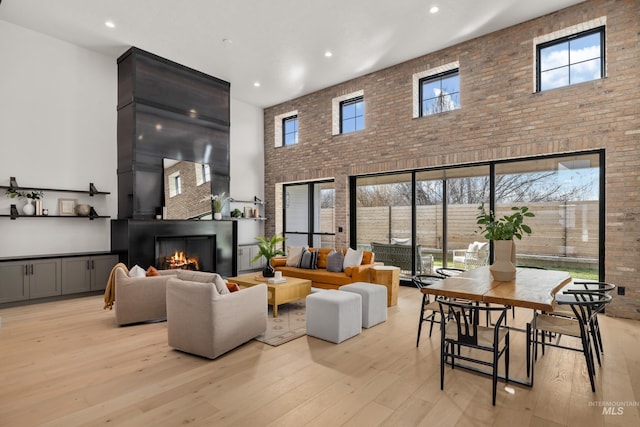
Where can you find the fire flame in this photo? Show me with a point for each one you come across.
(180, 260)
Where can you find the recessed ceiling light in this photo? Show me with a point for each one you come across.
(109, 24)
(256, 84)
(328, 54)
(434, 9)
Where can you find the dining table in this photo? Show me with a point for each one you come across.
(532, 288)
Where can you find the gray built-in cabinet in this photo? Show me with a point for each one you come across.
(29, 279)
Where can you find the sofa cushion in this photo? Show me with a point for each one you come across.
(152, 271)
(335, 261)
(137, 271)
(322, 256)
(293, 255)
(204, 277)
(352, 258)
(308, 260)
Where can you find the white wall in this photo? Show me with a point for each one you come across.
(247, 163)
(57, 130)
(58, 125)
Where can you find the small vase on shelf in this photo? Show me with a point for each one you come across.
(217, 216)
(29, 208)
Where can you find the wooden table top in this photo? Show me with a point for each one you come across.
(253, 279)
(532, 288)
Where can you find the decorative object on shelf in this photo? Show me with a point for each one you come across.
(248, 211)
(29, 209)
(236, 213)
(502, 231)
(256, 213)
(217, 204)
(66, 207)
(217, 216)
(45, 212)
(83, 210)
(267, 247)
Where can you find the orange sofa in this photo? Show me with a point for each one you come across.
(320, 277)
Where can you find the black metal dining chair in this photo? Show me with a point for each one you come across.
(585, 306)
(461, 328)
(429, 308)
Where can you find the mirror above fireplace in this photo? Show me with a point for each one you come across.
(187, 189)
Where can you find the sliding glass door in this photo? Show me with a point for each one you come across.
(308, 212)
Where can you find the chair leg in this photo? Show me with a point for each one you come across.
(424, 296)
(528, 332)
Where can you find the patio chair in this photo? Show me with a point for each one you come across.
(476, 255)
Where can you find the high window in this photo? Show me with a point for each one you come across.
(290, 130)
(175, 184)
(203, 173)
(440, 93)
(571, 59)
(352, 115)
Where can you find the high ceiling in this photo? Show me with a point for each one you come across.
(279, 43)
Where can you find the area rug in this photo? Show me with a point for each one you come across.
(290, 324)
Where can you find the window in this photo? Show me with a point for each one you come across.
(572, 59)
(440, 93)
(203, 173)
(175, 184)
(290, 130)
(352, 115)
(286, 129)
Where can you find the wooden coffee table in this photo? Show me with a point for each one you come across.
(277, 293)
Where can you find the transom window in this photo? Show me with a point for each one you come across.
(290, 130)
(573, 59)
(352, 115)
(440, 93)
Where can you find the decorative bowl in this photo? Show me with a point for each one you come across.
(83, 210)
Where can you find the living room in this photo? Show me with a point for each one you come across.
(58, 127)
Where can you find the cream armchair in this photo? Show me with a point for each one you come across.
(201, 321)
(140, 299)
(476, 255)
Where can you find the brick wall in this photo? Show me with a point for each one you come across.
(500, 118)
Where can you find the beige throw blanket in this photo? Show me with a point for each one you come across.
(110, 290)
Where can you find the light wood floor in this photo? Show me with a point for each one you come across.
(66, 363)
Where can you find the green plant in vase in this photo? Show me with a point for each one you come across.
(268, 248)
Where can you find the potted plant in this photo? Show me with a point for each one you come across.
(217, 204)
(502, 231)
(268, 248)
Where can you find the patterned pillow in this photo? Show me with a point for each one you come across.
(334, 261)
(308, 260)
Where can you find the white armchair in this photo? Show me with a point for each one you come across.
(203, 322)
(476, 255)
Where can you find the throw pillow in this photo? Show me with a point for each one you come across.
(335, 261)
(152, 271)
(221, 286)
(308, 260)
(293, 255)
(352, 258)
(137, 271)
(233, 287)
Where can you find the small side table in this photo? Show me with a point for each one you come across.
(388, 276)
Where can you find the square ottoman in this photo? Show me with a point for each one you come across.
(334, 315)
(374, 301)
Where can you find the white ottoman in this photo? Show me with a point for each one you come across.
(374, 301)
(334, 315)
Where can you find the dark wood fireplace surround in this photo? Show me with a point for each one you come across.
(166, 110)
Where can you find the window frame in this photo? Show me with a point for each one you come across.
(347, 102)
(601, 30)
(439, 77)
(284, 132)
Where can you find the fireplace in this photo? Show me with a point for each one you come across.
(186, 252)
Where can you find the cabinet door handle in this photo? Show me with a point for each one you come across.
(31, 268)
(88, 265)
(26, 269)
(93, 265)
